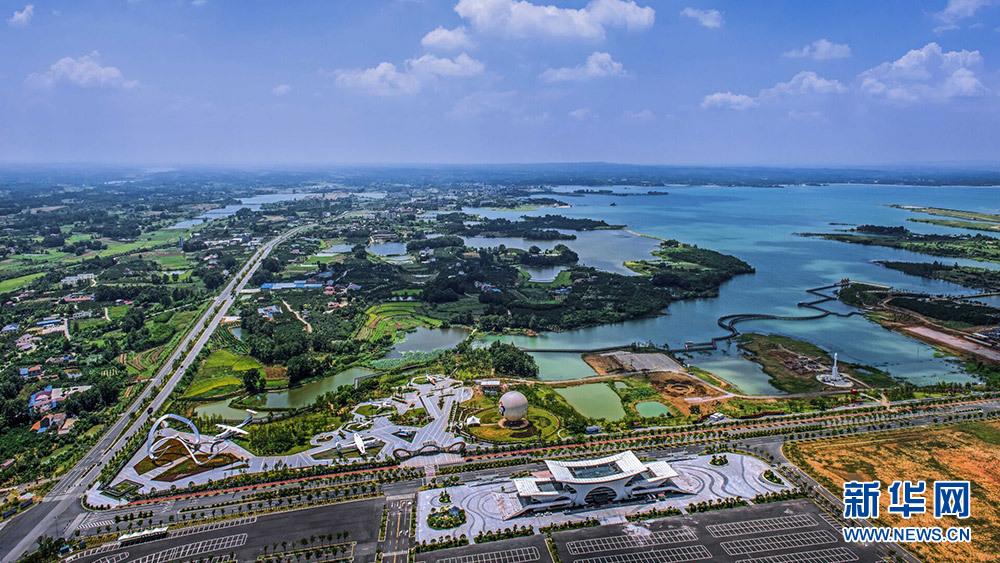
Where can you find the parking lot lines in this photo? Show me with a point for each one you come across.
(782, 541)
(833, 555)
(194, 549)
(831, 521)
(213, 526)
(519, 555)
(93, 551)
(613, 543)
(113, 558)
(748, 527)
(669, 555)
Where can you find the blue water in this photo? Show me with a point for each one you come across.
(252, 203)
(760, 226)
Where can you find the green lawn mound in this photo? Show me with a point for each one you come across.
(541, 425)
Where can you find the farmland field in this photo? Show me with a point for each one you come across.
(965, 451)
(19, 282)
(388, 318)
(219, 375)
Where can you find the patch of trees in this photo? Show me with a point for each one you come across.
(559, 256)
(882, 230)
(104, 393)
(968, 276)
(949, 311)
(503, 358)
(529, 227)
(436, 242)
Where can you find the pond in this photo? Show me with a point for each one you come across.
(335, 249)
(650, 409)
(561, 366)
(594, 400)
(289, 398)
(542, 273)
(428, 339)
(388, 248)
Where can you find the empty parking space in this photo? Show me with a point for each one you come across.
(192, 550)
(519, 555)
(779, 542)
(614, 543)
(749, 527)
(833, 555)
(669, 555)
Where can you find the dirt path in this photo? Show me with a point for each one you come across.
(309, 327)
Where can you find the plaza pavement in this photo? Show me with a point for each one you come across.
(743, 477)
(438, 395)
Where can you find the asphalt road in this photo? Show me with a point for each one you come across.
(59, 509)
(396, 546)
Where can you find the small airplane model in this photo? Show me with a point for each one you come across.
(230, 431)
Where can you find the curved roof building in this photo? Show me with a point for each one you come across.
(617, 477)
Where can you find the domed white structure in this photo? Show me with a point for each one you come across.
(513, 408)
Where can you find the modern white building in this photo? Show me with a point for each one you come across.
(617, 477)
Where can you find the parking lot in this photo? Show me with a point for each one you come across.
(530, 549)
(787, 532)
(245, 539)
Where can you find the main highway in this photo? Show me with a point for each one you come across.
(59, 509)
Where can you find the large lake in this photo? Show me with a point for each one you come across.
(760, 226)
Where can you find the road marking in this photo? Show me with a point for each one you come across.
(98, 524)
(775, 543)
(669, 555)
(613, 543)
(748, 527)
(213, 526)
(193, 549)
(519, 555)
(835, 555)
(112, 558)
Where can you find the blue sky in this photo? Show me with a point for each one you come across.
(385, 81)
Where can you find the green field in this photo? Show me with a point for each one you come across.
(14, 284)
(220, 375)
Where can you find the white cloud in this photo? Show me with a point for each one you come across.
(386, 80)
(281, 89)
(85, 71)
(711, 19)
(805, 82)
(520, 18)
(802, 84)
(199, 2)
(446, 39)
(597, 65)
(643, 115)
(462, 65)
(22, 18)
(925, 74)
(960, 9)
(821, 50)
(728, 100)
(583, 114)
(383, 80)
